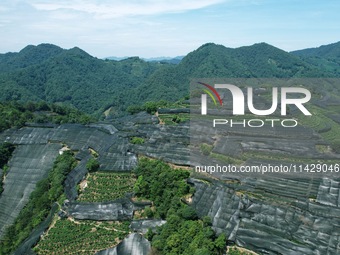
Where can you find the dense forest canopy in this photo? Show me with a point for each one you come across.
(17, 114)
(47, 72)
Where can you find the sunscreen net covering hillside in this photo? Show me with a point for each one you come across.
(300, 215)
(296, 226)
(29, 164)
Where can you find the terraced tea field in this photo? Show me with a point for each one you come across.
(321, 123)
(84, 237)
(107, 186)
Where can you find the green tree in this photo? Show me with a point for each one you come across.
(184, 233)
(220, 243)
(151, 107)
(148, 212)
(6, 150)
(92, 165)
(176, 119)
(188, 213)
(133, 109)
(149, 234)
(206, 221)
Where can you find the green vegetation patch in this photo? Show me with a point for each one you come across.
(227, 159)
(137, 140)
(165, 118)
(158, 182)
(206, 149)
(92, 165)
(104, 186)
(14, 114)
(81, 237)
(328, 128)
(184, 233)
(150, 107)
(187, 236)
(174, 119)
(6, 150)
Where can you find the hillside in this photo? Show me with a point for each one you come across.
(330, 51)
(258, 60)
(70, 76)
(47, 72)
(326, 57)
(134, 183)
(213, 61)
(28, 56)
(248, 210)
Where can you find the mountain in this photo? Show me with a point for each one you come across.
(30, 55)
(258, 60)
(213, 61)
(50, 73)
(199, 214)
(326, 57)
(70, 76)
(330, 51)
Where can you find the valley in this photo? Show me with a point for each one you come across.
(106, 184)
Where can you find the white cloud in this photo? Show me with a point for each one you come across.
(121, 8)
(164, 27)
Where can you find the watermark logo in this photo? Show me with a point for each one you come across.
(262, 127)
(280, 97)
(204, 96)
(239, 98)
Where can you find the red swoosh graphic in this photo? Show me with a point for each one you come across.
(213, 90)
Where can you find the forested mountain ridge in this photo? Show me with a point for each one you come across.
(325, 51)
(47, 72)
(30, 55)
(70, 76)
(258, 60)
(326, 57)
(212, 61)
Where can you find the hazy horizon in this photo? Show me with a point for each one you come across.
(153, 57)
(153, 28)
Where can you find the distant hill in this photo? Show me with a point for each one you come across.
(116, 58)
(326, 57)
(330, 51)
(48, 72)
(175, 60)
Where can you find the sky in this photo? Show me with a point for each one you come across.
(154, 28)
